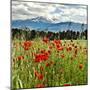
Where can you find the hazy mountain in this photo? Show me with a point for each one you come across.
(40, 23)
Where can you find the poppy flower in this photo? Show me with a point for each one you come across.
(41, 57)
(40, 86)
(50, 47)
(62, 55)
(49, 52)
(60, 48)
(80, 66)
(26, 48)
(20, 57)
(40, 76)
(57, 42)
(47, 64)
(27, 45)
(67, 84)
(46, 53)
(69, 48)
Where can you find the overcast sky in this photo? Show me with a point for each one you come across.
(53, 12)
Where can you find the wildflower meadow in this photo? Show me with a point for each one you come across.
(42, 63)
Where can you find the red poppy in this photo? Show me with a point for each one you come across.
(41, 57)
(80, 66)
(49, 52)
(57, 45)
(57, 42)
(60, 48)
(67, 84)
(62, 55)
(69, 48)
(27, 45)
(50, 47)
(40, 86)
(38, 57)
(26, 48)
(20, 57)
(47, 64)
(46, 53)
(40, 76)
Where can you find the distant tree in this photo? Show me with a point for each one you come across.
(41, 34)
(78, 34)
(32, 34)
(85, 34)
(82, 29)
(27, 34)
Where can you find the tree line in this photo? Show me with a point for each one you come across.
(32, 34)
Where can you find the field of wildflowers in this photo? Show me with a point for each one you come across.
(43, 63)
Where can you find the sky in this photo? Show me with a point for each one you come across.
(54, 13)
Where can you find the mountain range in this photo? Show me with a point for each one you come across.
(40, 23)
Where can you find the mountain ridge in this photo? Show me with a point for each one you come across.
(43, 24)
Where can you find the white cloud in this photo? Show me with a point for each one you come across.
(53, 12)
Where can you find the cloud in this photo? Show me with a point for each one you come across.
(53, 12)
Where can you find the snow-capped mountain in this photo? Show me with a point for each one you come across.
(40, 23)
(38, 19)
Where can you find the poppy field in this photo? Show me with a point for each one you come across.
(41, 63)
(49, 44)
